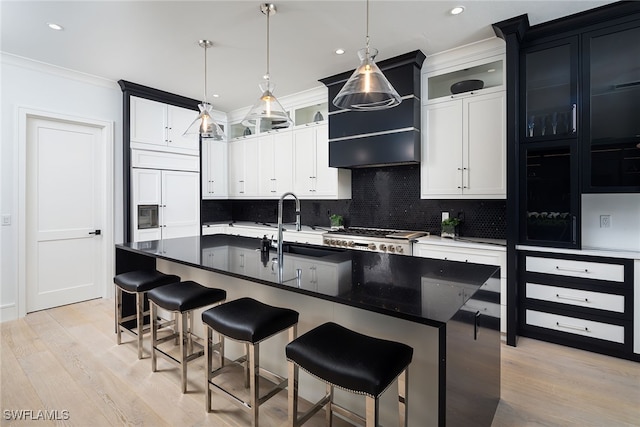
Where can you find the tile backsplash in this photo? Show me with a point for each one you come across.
(386, 197)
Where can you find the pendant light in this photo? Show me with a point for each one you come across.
(267, 112)
(367, 89)
(204, 125)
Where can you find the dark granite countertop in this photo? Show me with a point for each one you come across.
(417, 289)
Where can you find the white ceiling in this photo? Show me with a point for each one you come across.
(154, 43)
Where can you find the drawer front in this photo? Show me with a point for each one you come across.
(572, 325)
(460, 255)
(576, 297)
(572, 268)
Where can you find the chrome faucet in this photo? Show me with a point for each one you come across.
(298, 228)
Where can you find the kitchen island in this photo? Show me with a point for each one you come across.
(435, 306)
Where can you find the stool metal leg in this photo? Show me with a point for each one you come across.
(183, 348)
(154, 335)
(118, 315)
(292, 399)
(403, 392)
(208, 367)
(372, 415)
(140, 320)
(246, 366)
(254, 381)
(329, 406)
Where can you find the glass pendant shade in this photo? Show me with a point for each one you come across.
(204, 125)
(267, 112)
(367, 89)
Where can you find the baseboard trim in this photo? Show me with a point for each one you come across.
(8, 312)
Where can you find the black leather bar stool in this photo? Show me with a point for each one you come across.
(249, 322)
(137, 282)
(180, 298)
(351, 361)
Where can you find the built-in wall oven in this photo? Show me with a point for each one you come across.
(147, 216)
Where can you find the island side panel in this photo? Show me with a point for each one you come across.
(423, 371)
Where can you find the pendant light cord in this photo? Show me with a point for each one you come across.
(205, 74)
(367, 39)
(268, 12)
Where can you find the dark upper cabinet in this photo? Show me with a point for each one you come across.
(550, 90)
(611, 142)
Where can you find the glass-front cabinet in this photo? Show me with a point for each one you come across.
(611, 144)
(550, 199)
(550, 90)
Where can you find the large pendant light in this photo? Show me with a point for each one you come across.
(367, 89)
(267, 112)
(204, 125)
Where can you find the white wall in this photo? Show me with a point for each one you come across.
(38, 86)
(624, 233)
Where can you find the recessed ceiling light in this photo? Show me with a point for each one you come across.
(55, 26)
(215, 95)
(457, 10)
(491, 70)
(339, 51)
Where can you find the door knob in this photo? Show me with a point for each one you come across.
(97, 232)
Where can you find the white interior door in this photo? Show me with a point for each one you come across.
(65, 193)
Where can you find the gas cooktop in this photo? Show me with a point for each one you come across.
(379, 233)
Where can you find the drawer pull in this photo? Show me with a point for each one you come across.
(572, 298)
(575, 270)
(577, 328)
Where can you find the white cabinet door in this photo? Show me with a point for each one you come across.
(485, 150)
(161, 126)
(304, 161)
(441, 165)
(266, 166)
(464, 148)
(180, 214)
(243, 168)
(236, 168)
(326, 181)
(214, 170)
(178, 120)
(148, 121)
(283, 162)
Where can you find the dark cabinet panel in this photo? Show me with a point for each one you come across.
(611, 147)
(550, 200)
(550, 90)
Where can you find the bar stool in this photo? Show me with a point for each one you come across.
(351, 361)
(137, 282)
(249, 322)
(181, 299)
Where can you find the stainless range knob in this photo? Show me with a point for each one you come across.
(399, 249)
(383, 247)
(352, 244)
(372, 246)
(327, 242)
(392, 248)
(333, 242)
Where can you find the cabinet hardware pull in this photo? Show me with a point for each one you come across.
(573, 229)
(577, 328)
(574, 118)
(572, 298)
(459, 186)
(574, 270)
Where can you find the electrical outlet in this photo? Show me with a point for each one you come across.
(445, 215)
(605, 221)
(6, 219)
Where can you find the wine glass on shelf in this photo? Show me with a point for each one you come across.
(554, 122)
(531, 124)
(543, 125)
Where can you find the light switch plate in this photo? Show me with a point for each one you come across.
(6, 219)
(605, 221)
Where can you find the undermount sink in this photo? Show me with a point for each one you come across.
(315, 252)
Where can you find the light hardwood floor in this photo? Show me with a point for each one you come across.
(66, 359)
